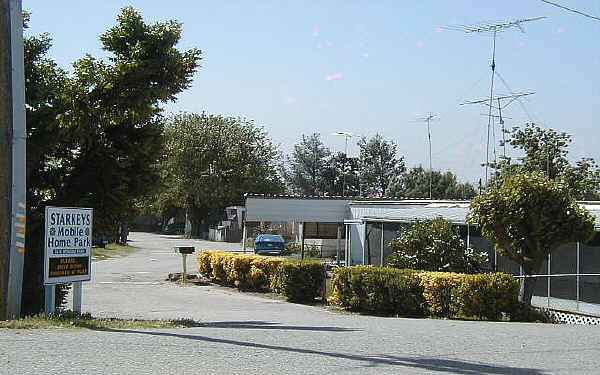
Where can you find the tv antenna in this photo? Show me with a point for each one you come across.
(508, 99)
(428, 118)
(493, 29)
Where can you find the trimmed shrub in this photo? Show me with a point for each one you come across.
(217, 265)
(300, 281)
(245, 271)
(380, 291)
(389, 291)
(437, 290)
(269, 267)
(487, 295)
(257, 279)
(204, 262)
(237, 268)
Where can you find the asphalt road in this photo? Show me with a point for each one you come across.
(250, 334)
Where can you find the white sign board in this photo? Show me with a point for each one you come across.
(68, 245)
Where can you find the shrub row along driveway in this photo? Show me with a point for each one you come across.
(250, 334)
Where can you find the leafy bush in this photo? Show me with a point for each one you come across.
(217, 266)
(300, 281)
(381, 291)
(245, 271)
(269, 267)
(526, 313)
(389, 291)
(434, 245)
(237, 267)
(487, 295)
(482, 295)
(204, 262)
(293, 247)
(267, 229)
(437, 290)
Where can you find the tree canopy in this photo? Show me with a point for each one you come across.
(341, 176)
(94, 135)
(379, 164)
(414, 183)
(211, 161)
(547, 150)
(527, 217)
(307, 166)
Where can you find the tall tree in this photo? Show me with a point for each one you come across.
(211, 161)
(547, 150)
(341, 176)
(527, 217)
(307, 166)
(94, 135)
(414, 183)
(379, 164)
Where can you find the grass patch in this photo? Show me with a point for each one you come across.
(112, 250)
(69, 319)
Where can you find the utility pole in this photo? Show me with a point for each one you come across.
(12, 158)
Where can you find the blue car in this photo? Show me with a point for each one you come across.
(269, 243)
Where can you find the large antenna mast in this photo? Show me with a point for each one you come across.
(428, 118)
(493, 29)
(508, 99)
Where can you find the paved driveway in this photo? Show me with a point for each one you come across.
(250, 334)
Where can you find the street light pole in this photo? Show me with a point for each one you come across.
(346, 135)
(428, 118)
(430, 163)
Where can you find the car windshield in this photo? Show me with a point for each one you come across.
(270, 238)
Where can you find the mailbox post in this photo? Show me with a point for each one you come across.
(184, 251)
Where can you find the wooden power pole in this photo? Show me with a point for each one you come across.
(12, 158)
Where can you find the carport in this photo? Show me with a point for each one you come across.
(318, 217)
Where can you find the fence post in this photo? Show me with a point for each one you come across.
(578, 272)
(324, 285)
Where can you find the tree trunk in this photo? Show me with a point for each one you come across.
(123, 232)
(195, 216)
(528, 283)
(527, 288)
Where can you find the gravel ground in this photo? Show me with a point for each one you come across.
(251, 334)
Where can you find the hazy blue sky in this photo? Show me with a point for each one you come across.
(298, 67)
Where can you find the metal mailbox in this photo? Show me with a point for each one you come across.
(185, 249)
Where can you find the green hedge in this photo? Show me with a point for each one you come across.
(390, 291)
(244, 271)
(380, 291)
(300, 281)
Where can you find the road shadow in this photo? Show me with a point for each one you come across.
(272, 325)
(448, 366)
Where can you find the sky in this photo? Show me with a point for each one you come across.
(369, 67)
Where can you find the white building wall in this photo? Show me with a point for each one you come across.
(359, 211)
(298, 210)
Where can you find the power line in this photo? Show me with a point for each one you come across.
(571, 10)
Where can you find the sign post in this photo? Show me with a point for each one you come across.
(68, 251)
